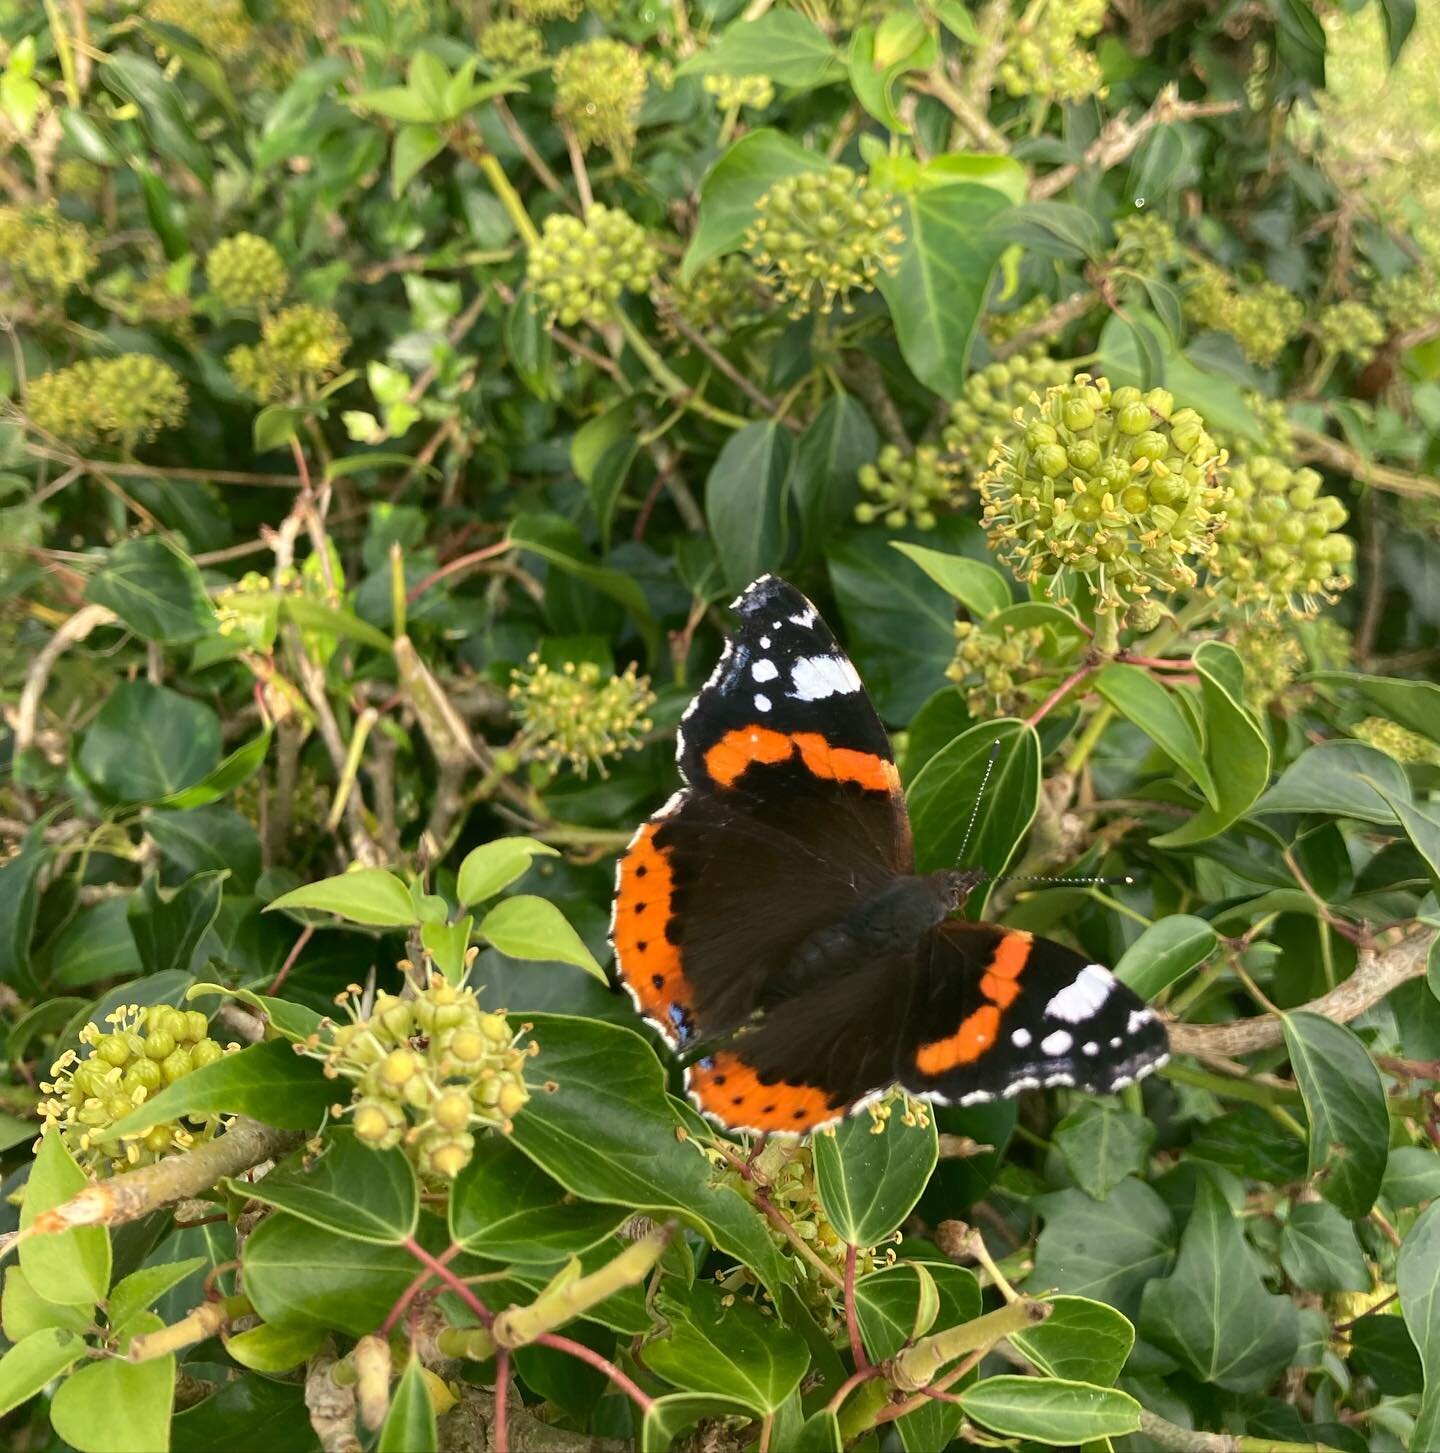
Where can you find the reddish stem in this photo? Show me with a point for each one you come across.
(461, 562)
(641, 1399)
(452, 1281)
(849, 1386)
(1058, 695)
(402, 1302)
(766, 1428)
(305, 935)
(301, 467)
(500, 1433)
(852, 1322)
(1155, 663)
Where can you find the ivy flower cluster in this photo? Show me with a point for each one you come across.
(246, 273)
(821, 236)
(579, 715)
(578, 270)
(1350, 329)
(1146, 242)
(993, 665)
(301, 349)
(511, 44)
(1399, 742)
(905, 488)
(1262, 318)
(600, 86)
(428, 1072)
(46, 254)
(992, 395)
(122, 400)
(1045, 54)
(737, 92)
(1114, 487)
(145, 1049)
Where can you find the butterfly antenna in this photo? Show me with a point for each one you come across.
(1121, 882)
(979, 798)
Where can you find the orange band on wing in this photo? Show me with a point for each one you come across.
(728, 759)
(649, 962)
(978, 1030)
(729, 1090)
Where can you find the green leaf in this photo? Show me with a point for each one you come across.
(236, 770)
(823, 483)
(821, 1434)
(526, 927)
(1319, 1251)
(735, 184)
(26, 1311)
(1236, 748)
(1399, 17)
(870, 1183)
(73, 1267)
(981, 589)
(1417, 1278)
(160, 107)
(1412, 1175)
(1345, 1104)
(725, 1345)
(1165, 951)
(35, 1361)
(497, 865)
(416, 146)
(1047, 1410)
(943, 796)
(608, 1134)
(168, 929)
(294, 1022)
(1213, 1313)
(366, 895)
(1101, 1146)
(314, 615)
(937, 292)
(1339, 779)
(1054, 229)
(1109, 1250)
(558, 542)
(268, 1082)
(154, 589)
(504, 1206)
(667, 1417)
(409, 1426)
(19, 897)
(1414, 704)
(350, 1189)
(274, 1350)
(115, 1406)
(143, 1288)
(1421, 827)
(148, 742)
(745, 500)
(301, 1276)
(1150, 705)
(1081, 1340)
(787, 47)
(275, 427)
(447, 944)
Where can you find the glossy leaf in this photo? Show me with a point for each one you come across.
(1319, 1251)
(116, 1406)
(1344, 779)
(409, 1426)
(1050, 1411)
(154, 589)
(365, 895)
(1082, 1340)
(1149, 704)
(869, 1183)
(527, 927)
(274, 1350)
(669, 1416)
(73, 1267)
(1417, 1278)
(1101, 1146)
(745, 501)
(148, 742)
(1166, 951)
(168, 928)
(981, 589)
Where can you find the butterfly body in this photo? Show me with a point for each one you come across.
(770, 923)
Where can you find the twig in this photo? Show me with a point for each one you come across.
(558, 1343)
(150, 471)
(499, 1432)
(1322, 449)
(523, 145)
(1065, 312)
(861, 374)
(27, 713)
(936, 83)
(136, 1193)
(1120, 136)
(577, 168)
(1376, 974)
(1073, 680)
(852, 1320)
(718, 361)
(456, 566)
(303, 938)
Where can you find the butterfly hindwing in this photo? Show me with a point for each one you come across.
(997, 1011)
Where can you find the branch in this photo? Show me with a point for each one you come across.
(1065, 312)
(136, 1193)
(1322, 449)
(1376, 974)
(936, 83)
(85, 620)
(1120, 136)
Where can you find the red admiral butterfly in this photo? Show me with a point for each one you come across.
(769, 919)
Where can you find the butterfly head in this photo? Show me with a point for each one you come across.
(957, 884)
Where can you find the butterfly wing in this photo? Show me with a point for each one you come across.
(995, 1011)
(791, 813)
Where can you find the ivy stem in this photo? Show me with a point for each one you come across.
(668, 379)
(452, 1281)
(1059, 694)
(500, 1432)
(631, 1389)
(852, 1320)
(1089, 738)
(494, 173)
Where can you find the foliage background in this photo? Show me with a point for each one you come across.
(327, 545)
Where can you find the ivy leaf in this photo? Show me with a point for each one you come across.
(668, 1417)
(73, 1267)
(1345, 1104)
(168, 928)
(526, 927)
(1101, 1146)
(35, 1361)
(1213, 1313)
(937, 291)
(409, 1426)
(1149, 704)
(1082, 1340)
(148, 742)
(1414, 704)
(154, 589)
(116, 1406)
(366, 895)
(870, 1183)
(787, 47)
(1340, 779)
(1417, 1277)
(980, 588)
(1047, 1410)
(836, 442)
(1319, 1251)
(351, 1189)
(1165, 951)
(724, 1345)
(745, 500)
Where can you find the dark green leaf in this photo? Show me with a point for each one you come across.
(1047, 1410)
(981, 589)
(148, 742)
(1399, 16)
(781, 44)
(870, 1183)
(1150, 705)
(667, 1417)
(745, 501)
(19, 883)
(168, 928)
(1319, 1251)
(1213, 1313)
(1081, 1340)
(1056, 229)
(1168, 949)
(1336, 778)
(1101, 1146)
(1382, 1350)
(154, 589)
(1414, 704)
(837, 441)
(1412, 1175)
(161, 109)
(236, 770)
(1417, 1278)
(937, 291)
(1345, 1103)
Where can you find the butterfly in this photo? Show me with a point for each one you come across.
(769, 922)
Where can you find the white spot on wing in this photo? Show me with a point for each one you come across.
(805, 619)
(762, 702)
(764, 643)
(1057, 1043)
(1138, 1019)
(1083, 996)
(976, 1097)
(1116, 1042)
(764, 669)
(1021, 1038)
(1090, 1047)
(1025, 1082)
(813, 678)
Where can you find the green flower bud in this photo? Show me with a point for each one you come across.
(300, 350)
(122, 400)
(246, 272)
(205, 1052)
(1350, 329)
(737, 92)
(1146, 243)
(379, 1124)
(511, 45)
(578, 270)
(600, 85)
(578, 716)
(46, 255)
(1044, 55)
(1400, 742)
